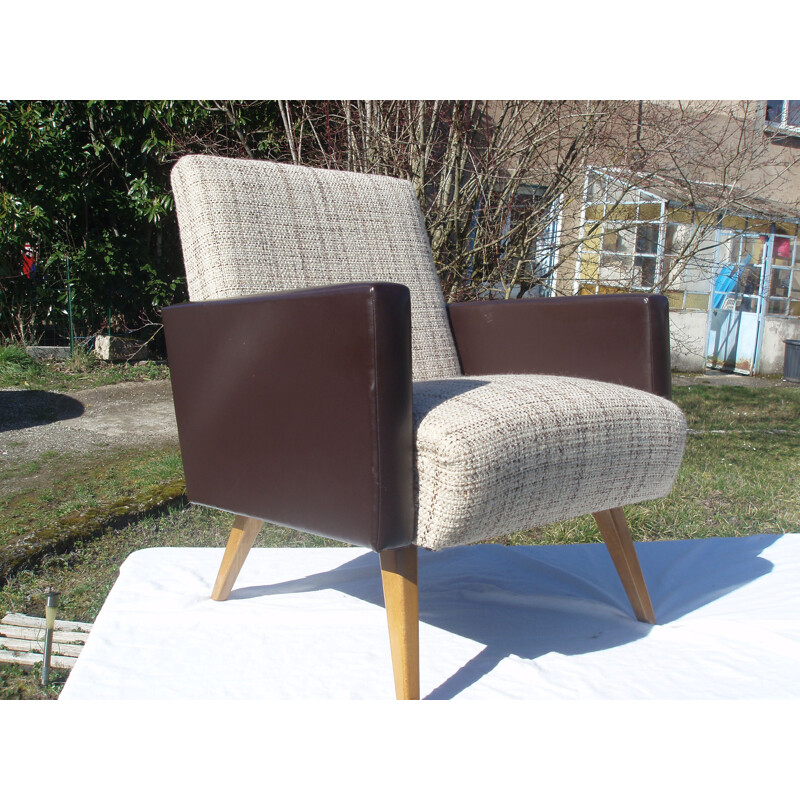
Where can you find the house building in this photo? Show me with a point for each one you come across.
(715, 228)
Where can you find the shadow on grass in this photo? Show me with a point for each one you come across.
(529, 601)
(32, 407)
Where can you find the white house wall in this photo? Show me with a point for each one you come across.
(687, 333)
(776, 329)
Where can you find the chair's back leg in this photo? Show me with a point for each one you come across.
(617, 536)
(243, 534)
(399, 574)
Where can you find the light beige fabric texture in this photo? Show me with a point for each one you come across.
(505, 453)
(249, 227)
(495, 454)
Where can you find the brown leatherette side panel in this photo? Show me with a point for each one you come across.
(295, 408)
(615, 338)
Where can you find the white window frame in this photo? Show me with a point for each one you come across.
(644, 197)
(550, 239)
(721, 236)
(782, 125)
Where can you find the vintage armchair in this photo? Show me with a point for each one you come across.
(321, 383)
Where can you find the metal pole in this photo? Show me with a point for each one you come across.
(69, 306)
(763, 293)
(51, 605)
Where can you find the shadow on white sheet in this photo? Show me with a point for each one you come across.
(496, 622)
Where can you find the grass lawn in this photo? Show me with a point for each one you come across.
(740, 476)
(76, 484)
(83, 371)
(86, 573)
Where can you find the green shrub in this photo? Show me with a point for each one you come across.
(16, 366)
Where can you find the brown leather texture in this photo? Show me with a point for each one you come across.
(617, 338)
(295, 408)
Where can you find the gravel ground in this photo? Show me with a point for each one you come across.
(714, 378)
(85, 423)
(126, 414)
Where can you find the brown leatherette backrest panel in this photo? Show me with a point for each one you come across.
(615, 338)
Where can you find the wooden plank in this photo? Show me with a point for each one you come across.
(22, 641)
(68, 637)
(38, 622)
(31, 659)
(59, 648)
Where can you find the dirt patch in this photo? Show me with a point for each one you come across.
(718, 378)
(39, 429)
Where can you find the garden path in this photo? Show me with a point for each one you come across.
(36, 424)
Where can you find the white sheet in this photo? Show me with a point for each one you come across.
(496, 623)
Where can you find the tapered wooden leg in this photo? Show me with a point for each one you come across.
(243, 534)
(399, 573)
(617, 536)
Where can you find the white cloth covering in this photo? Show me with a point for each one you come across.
(547, 622)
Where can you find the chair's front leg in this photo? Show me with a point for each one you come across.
(617, 536)
(399, 574)
(243, 534)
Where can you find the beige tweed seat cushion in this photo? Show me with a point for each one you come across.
(503, 453)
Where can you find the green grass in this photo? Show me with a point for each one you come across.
(76, 484)
(83, 371)
(740, 476)
(86, 573)
(17, 367)
(741, 408)
(28, 468)
(21, 683)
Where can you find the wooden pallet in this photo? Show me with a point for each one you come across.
(22, 641)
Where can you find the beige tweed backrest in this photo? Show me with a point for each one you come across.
(249, 227)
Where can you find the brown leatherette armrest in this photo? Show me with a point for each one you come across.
(295, 408)
(615, 338)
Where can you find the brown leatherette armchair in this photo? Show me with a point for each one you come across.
(317, 408)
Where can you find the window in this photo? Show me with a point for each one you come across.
(783, 115)
(622, 250)
(784, 285)
(740, 270)
(740, 276)
(539, 262)
(646, 249)
(635, 241)
(525, 262)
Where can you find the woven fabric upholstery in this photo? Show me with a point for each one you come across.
(505, 453)
(249, 227)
